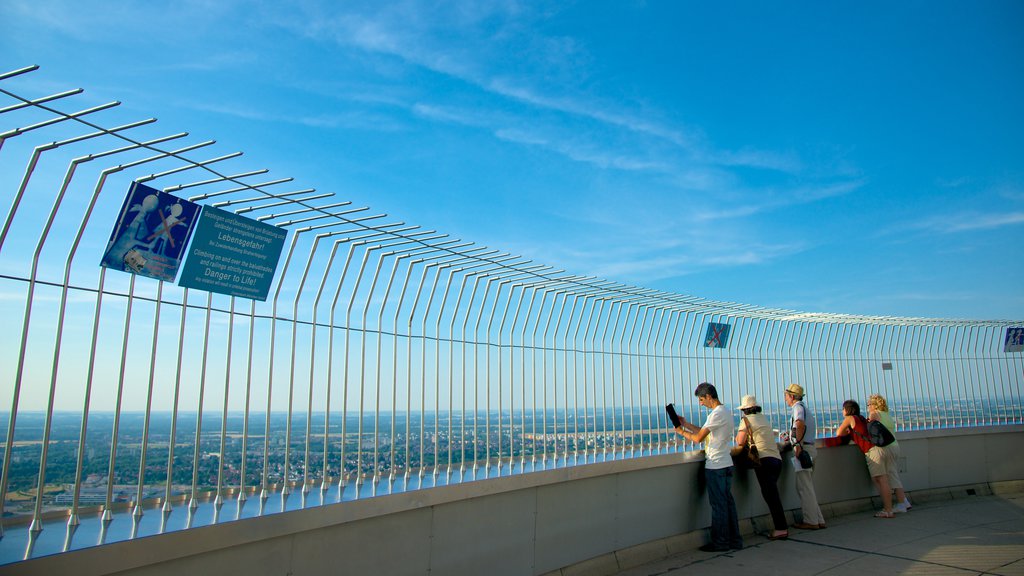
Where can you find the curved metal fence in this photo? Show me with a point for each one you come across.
(384, 356)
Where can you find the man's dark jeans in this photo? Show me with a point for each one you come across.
(725, 524)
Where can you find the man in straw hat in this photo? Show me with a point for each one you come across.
(802, 437)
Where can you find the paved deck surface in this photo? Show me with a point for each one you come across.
(973, 535)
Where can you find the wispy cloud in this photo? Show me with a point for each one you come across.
(773, 199)
(950, 224)
(504, 87)
(952, 182)
(355, 120)
(646, 256)
(582, 152)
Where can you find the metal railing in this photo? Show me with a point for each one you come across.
(392, 356)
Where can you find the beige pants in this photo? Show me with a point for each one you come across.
(805, 489)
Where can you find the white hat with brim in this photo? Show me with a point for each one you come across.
(749, 401)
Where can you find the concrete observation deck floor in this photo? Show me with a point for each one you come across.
(971, 535)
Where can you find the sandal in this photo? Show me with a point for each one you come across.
(884, 514)
(780, 536)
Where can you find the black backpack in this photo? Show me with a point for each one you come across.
(879, 434)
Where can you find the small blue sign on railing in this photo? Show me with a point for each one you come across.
(150, 234)
(232, 255)
(1014, 339)
(717, 336)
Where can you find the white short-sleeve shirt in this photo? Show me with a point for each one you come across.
(716, 451)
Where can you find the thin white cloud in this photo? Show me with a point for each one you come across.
(952, 182)
(582, 152)
(778, 161)
(774, 199)
(567, 105)
(955, 223)
(644, 256)
(985, 222)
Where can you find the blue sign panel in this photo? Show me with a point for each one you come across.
(1014, 340)
(150, 234)
(232, 255)
(717, 336)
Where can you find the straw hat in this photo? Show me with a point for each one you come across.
(796, 390)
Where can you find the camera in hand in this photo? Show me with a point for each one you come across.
(671, 409)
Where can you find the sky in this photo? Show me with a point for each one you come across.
(862, 158)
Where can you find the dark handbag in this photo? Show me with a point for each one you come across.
(805, 460)
(746, 456)
(879, 434)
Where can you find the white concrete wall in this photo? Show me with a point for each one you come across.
(587, 516)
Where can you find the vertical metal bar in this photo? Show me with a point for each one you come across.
(149, 401)
(597, 359)
(107, 513)
(487, 376)
(73, 517)
(522, 371)
(570, 347)
(511, 378)
(907, 333)
(325, 483)
(193, 500)
(630, 353)
(219, 498)
(970, 361)
(953, 383)
(554, 380)
(544, 376)
(619, 306)
(537, 326)
(928, 412)
(476, 391)
(676, 379)
(648, 359)
(245, 418)
(586, 390)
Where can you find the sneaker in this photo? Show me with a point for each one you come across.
(900, 508)
(906, 503)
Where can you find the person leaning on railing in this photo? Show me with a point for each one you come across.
(761, 436)
(855, 426)
(878, 409)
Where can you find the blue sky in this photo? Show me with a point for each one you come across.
(864, 158)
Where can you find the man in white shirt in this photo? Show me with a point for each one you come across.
(718, 469)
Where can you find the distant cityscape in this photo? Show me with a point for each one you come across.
(373, 453)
